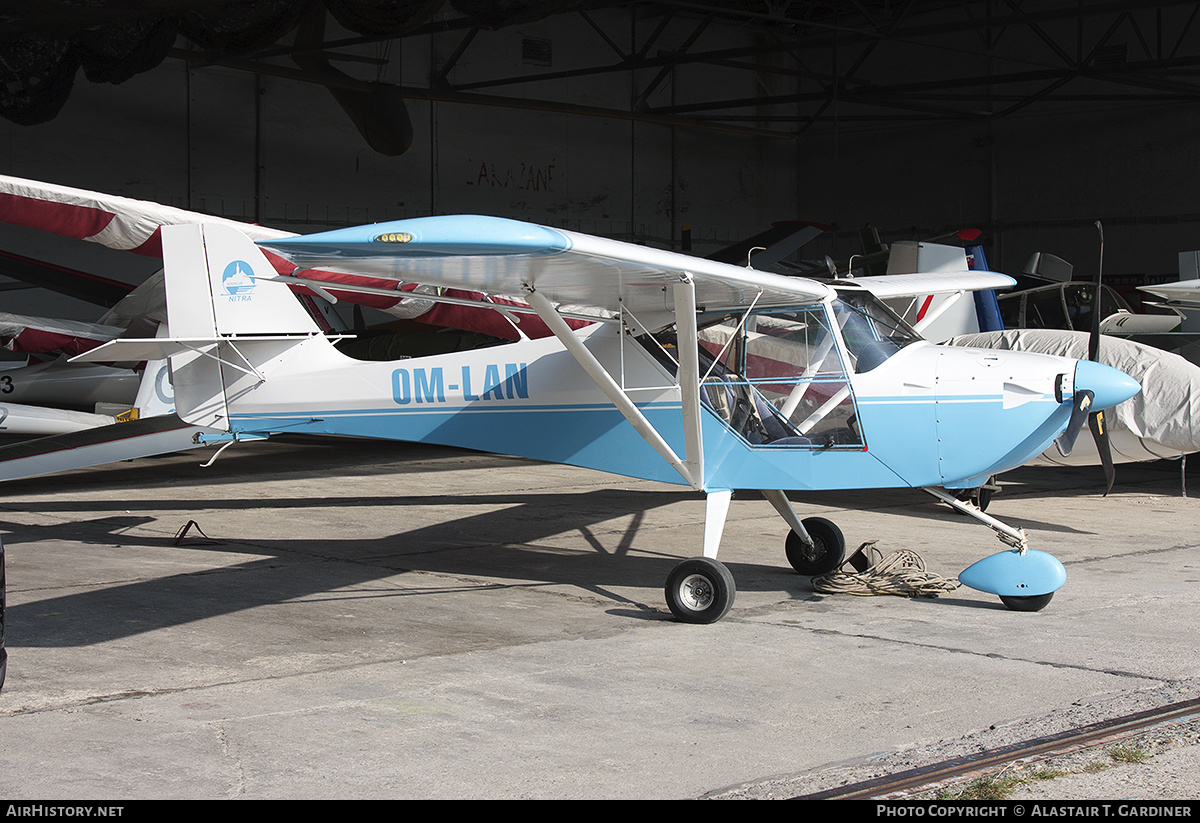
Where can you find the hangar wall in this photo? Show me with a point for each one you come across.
(1033, 183)
(281, 152)
(223, 140)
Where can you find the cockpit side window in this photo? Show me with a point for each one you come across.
(777, 378)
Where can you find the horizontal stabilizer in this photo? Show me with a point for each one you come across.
(129, 350)
(93, 447)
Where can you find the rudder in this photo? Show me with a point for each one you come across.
(219, 287)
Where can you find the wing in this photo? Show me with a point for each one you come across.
(767, 248)
(932, 302)
(891, 286)
(40, 335)
(1183, 293)
(498, 256)
(111, 220)
(73, 283)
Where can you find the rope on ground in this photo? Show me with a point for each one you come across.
(870, 572)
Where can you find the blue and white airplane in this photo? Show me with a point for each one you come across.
(660, 366)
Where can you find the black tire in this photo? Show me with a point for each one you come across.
(830, 545)
(1030, 603)
(700, 590)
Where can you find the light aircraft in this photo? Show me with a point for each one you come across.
(678, 369)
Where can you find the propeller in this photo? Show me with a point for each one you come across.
(1079, 415)
(1083, 398)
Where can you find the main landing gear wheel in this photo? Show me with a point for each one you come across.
(827, 553)
(1027, 603)
(700, 590)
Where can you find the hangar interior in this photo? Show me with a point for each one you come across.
(668, 123)
(297, 658)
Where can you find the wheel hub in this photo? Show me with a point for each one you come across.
(696, 591)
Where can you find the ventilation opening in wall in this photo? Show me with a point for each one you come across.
(1114, 54)
(535, 51)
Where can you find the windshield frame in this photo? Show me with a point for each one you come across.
(871, 331)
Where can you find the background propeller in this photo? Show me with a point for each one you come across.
(1083, 397)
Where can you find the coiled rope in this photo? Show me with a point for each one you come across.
(869, 572)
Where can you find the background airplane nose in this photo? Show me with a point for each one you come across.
(1110, 386)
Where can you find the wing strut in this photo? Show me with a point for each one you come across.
(615, 393)
(688, 346)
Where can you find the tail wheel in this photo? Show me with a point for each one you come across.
(1027, 603)
(826, 553)
(700, 590)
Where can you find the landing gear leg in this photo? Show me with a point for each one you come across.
(981, 496)
(1007, 534)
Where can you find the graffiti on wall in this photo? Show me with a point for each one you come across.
(518, 176)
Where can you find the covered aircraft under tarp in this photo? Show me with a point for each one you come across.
(1162, 423)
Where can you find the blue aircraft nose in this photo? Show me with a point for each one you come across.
(1109, 385)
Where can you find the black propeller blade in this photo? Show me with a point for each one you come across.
(1096, 420)
(1083, 397)
(1100, 435)
(1079, 415)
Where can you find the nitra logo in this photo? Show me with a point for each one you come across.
(237, 280)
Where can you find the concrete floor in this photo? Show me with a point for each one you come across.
(388, 620)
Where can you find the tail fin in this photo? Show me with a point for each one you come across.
(219, 287)
(216, 266)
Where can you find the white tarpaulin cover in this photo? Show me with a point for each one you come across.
(1162, 421)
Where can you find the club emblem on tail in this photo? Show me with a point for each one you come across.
(237, 280)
